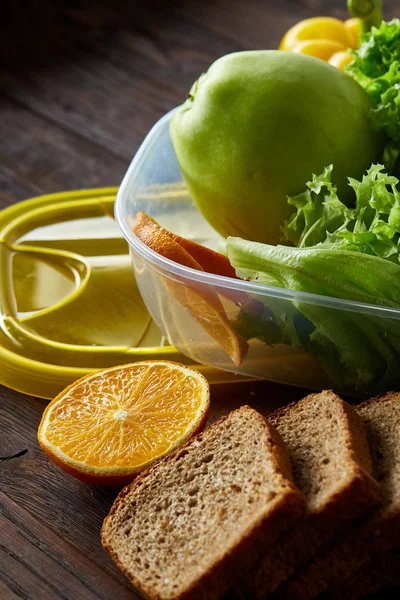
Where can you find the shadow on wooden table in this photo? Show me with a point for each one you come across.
(44, 34)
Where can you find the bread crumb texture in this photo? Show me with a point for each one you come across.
(178, 520)
(321, 444)
(327, 444)
(379, 532)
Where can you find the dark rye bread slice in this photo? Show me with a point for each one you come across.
(188, 526)
(380, 531)
(380, 573)
(328, 447)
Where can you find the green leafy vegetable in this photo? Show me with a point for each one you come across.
(318, 270)
(256, 321)
(318, 211)
(376, 67)
(358, 351)
(347, 253)
(371, 227)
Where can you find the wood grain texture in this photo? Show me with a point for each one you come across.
(50, 565)
(81, 83)
(38, 156)
(43, 509)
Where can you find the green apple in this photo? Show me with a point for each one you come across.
(255, 128)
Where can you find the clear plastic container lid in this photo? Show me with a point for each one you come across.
(69, 303)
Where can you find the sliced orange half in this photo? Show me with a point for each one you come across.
(202, 301)
(203, 258)
(110, 425)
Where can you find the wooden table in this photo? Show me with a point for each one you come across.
(82, 83)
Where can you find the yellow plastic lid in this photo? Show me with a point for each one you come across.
(69, 303)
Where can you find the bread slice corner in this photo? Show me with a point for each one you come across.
(327, 444)
(195, 520)
(379, 532)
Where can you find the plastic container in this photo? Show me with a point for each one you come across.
(296, 338)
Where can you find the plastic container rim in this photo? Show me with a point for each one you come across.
(180, 272)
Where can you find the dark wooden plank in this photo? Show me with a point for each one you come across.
(337, 8)
(37, 157)
(33, 557)
(109, 73)
(73, 509)
(256, 25)
(175, 43)
(251, 24)
(12, 570)
(100, 86)
(6, 593)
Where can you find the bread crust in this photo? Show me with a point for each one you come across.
(280, 515)
(358, 493)
(376, 534)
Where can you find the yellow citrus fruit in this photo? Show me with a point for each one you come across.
(317, 28)
(340, 60)
(108, 426)
(353, 27)
(322, 49)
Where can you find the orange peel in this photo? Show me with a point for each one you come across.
(110, 425)
(201, 301)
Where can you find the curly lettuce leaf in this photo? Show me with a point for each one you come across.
(371, 227)
(348, 253)
(376, 67)
(318, 211)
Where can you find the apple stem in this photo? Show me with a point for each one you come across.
(368, 11)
